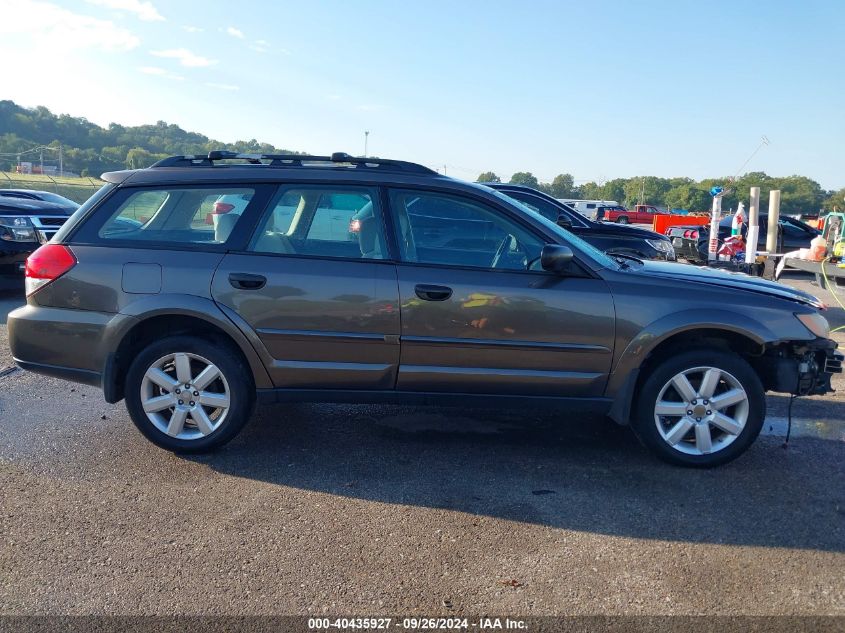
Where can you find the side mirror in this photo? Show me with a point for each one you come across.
(564, 221)
(556, 258)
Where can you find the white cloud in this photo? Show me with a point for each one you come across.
(334, 97)
(192, 29)
(160, 72)
(228, 87)
(48, 24)
(185, 57)
(142, 9)
(235, 32)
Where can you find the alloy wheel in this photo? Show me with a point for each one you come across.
(185, 396)
(701, 410)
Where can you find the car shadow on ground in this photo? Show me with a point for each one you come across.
(563, 471)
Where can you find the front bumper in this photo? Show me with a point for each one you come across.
(802, 369)
(13, 260)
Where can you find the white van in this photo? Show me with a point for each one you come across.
(588, 207)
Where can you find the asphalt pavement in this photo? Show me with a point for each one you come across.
(406, 510)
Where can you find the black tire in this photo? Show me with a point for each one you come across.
(645, 425)
(231, 365)
(623, 219)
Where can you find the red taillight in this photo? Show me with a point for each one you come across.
(693, 235)
(687, 233)
(354, 225)
(222, 207)
(218, 208)
(47, 263)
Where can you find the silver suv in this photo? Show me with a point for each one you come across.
(369, 280)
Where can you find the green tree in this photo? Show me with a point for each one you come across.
(688, 196)
(488, 176)
(591, 191)
(138, 158)
(612, 190)
(649, 189)
(563, 186)
(525, 178)
(835, 200)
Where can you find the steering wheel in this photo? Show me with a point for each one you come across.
(506, 243)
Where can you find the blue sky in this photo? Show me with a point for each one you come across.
(597, 89)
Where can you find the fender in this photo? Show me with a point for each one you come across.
(623, 379)
(201, 308)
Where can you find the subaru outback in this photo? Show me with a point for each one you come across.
(193, 322)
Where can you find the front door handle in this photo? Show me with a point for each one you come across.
(433, 293)
(247, 281)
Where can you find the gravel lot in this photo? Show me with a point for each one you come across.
(392, 510)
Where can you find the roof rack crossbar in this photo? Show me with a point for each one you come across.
(293, 160)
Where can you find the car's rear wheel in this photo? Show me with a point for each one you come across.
(700, 408)
(622, 219)
(187, 394)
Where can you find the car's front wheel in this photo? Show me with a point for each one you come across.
(700, 408)
(187, 394)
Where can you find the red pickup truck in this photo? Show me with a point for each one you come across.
(640, 214)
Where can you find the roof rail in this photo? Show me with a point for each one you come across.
(295, 160)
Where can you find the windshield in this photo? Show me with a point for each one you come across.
(599, 256)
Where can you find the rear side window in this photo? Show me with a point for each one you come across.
(177, 215)
(323, 221)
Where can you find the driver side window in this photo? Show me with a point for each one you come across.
(436, 228)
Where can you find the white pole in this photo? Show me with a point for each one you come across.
(774, 215)
(753, 226)
(715, 216)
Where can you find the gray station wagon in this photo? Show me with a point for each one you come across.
(366, 280)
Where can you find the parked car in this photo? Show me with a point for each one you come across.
(27, 218)
(640, 214)
(192, 324)
(610, 238)
(588, 208)
(10, 195)
(692, 242)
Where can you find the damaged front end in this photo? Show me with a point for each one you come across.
(802, 368)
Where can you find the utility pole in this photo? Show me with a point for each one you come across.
(61, 164)
(444, 170)
(366, 138)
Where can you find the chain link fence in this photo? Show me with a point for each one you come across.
(76, 189)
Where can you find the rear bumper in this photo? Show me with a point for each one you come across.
(84, 376)
(686, 249)
(67, 344)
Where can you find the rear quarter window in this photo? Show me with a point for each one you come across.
(171, 215)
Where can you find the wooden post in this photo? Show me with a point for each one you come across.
(753, 226)
(774, 216)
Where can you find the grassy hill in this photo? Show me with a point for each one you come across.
(90, 149)
(76, 189)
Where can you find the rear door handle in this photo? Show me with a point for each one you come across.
(433, 293)
(247, 281)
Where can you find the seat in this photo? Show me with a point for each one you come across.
(225, 225)
(274, 242)
(369, 239)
